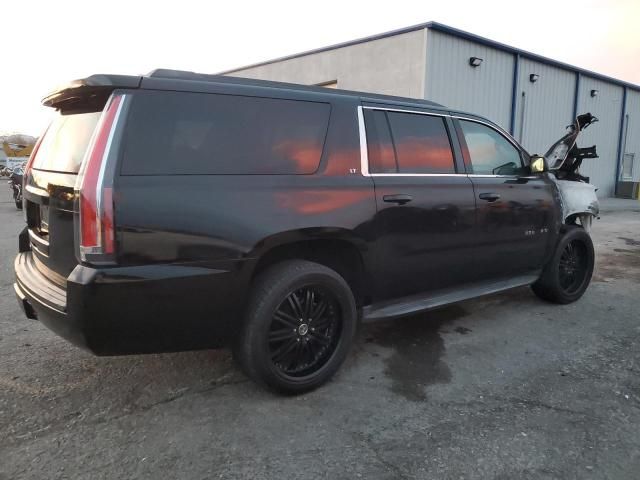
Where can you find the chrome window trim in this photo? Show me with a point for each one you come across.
(488, 175)
(417, 174)
(364, 152)
(406, 111)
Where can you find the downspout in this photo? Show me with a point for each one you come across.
(576, 97)
(620, 140)
(523, 116)
(514, 93)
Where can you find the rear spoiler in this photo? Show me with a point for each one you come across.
(96, 87)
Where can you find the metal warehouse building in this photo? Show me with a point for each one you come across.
(531, 96)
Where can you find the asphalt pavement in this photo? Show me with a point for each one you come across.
(505, 387)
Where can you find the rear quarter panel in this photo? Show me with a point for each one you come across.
(221, 225)
(212, 218)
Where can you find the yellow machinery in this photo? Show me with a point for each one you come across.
(16, 149)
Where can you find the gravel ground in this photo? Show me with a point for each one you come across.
(503, 387)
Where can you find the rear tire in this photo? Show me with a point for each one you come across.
(281, 345)
(18, 204)
(568, 273)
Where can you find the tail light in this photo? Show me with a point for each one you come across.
(95, 187)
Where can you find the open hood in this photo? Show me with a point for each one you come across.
(567, 149)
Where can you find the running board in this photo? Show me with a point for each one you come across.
(422, 302)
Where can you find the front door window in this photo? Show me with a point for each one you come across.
(489, 152)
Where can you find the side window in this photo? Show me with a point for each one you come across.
(488, 151)
(421, 143)
(407, 143)
(379, 145)
(196, 133)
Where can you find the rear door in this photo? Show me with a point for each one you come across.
(49, 191)
(515, 210)
(425, 203)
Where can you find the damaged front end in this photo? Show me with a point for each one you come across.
(579, 202)
(564, 158)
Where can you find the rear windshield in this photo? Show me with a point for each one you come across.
(170, 133)
(65, 142)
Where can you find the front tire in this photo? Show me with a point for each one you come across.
(298, 327)
(568, 273)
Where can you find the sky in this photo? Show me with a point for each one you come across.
(47, 43)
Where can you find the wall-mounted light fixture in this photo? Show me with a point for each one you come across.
(594, 93)
(475, 61)
(533, 78)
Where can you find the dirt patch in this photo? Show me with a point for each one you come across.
(623, 264)
(630, 241)
(462, 330)
(418, 349)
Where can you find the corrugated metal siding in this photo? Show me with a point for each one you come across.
(632, 140)
(607, 107)
(393, 65)
(451, 81)
(546, 107)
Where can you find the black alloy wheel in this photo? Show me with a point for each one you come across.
(573, 266)
(304, 331)
(568, 272)
(298, 326)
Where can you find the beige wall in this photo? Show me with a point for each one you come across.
(392, 65)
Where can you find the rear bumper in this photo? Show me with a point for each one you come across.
(125, 310)
(43, 300)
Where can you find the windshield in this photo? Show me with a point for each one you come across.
(65, 142)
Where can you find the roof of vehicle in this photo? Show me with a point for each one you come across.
(216, 78)
(102, 84)
(106, 82)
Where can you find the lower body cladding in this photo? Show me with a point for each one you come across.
(128, 310)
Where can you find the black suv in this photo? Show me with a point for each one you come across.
(179, 211)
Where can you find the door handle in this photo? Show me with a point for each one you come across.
(399, 198)
(489, 197)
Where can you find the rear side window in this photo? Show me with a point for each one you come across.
(65, 142)
(382, 158)
(172, 133)
(408, 143)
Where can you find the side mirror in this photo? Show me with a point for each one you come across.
(538, 164)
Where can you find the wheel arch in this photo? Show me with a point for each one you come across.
(338, 249)
(581, 219)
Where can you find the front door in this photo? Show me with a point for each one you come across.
(516, 215)
(425, 206)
